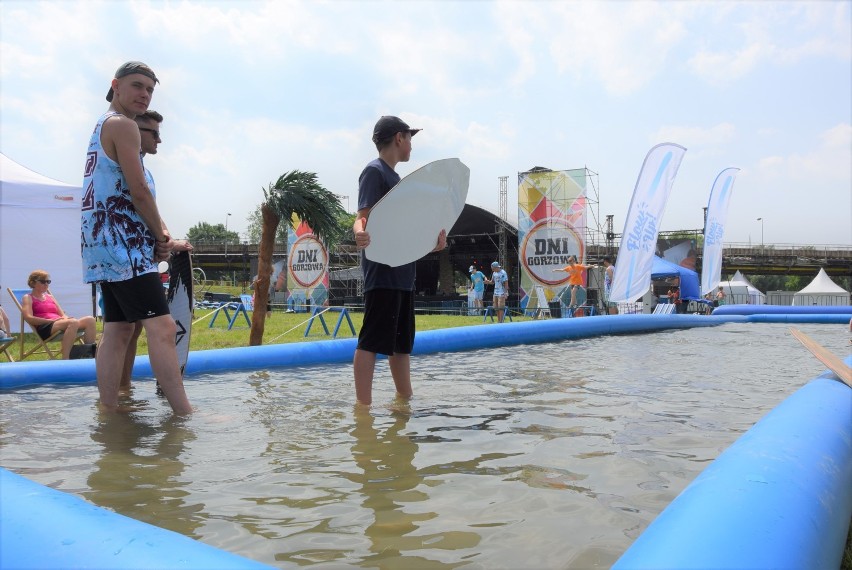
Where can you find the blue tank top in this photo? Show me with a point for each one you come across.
(116, 244)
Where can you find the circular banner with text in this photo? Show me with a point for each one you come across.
(547, 246)
(308, 261)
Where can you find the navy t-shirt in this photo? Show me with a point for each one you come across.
(375, 181)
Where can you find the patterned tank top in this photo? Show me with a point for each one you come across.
(116, 244)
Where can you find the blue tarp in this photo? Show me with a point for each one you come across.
(688, 278)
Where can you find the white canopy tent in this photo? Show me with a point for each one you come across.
(739, 290)
(822, 291)
(40, 229)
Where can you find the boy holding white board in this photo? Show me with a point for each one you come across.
(388, 326)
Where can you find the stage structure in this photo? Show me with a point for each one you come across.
(553, 211)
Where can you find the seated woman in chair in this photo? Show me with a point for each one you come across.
(42, 311)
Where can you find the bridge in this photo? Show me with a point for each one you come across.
(751, 259)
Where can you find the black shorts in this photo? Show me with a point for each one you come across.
(388, 322)
(44, 330)
(139, 298)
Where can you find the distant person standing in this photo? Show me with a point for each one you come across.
(575, 276)
(609, 277)
(123, 238)
(388, 326)
(477, 286)
(500, 280)
(720, 297)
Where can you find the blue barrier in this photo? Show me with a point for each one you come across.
(784, 310)
(41, 527)
(779, 497)
(21, 374)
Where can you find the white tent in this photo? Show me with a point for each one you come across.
(40, 229)
(739, 290)
(822, 291)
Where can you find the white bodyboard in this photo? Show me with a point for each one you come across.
(180, 302)
(404, 225)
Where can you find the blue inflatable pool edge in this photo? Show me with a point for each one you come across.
(779, 497)
(20, 374)
(41, 528)
(784, 310)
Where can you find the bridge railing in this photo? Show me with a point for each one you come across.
(820, 251)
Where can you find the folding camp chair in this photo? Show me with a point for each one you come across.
(41, 344)
(5, 344)
(664, 309)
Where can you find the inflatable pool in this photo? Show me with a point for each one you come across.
(779, 497)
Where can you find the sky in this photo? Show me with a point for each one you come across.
(251, 90)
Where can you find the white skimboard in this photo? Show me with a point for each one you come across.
(180, 302)
(404, 225)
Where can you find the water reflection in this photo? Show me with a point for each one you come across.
(389, 486)
(139, 470)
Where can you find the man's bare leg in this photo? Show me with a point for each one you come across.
(364, 365)
(164, 361)
(499, 304)
(110, 361)
(130, 358)
(400, 367)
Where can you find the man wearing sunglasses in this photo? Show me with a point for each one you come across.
(123, 238)
(149, 132)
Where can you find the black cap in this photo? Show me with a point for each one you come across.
(130, 68)
(388, 126)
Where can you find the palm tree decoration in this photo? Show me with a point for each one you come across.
(296, 193)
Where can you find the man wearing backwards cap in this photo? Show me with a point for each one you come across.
(500, 280)
(388, 326)
(477, 285)
(123, 238)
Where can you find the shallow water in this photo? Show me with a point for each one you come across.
(545, 456)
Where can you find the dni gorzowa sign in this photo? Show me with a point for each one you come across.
(547, 246)
(308, 261)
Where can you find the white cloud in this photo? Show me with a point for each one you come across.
(830, 162)
(624, 46)
(772, 34)
(696, 137)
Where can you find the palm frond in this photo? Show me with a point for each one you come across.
(300, 193)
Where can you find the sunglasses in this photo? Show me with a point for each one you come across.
(154, 132)
(44, 281)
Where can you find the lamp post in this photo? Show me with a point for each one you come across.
(226, 234)
(761, 236)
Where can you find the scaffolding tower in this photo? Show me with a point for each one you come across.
(502, 226)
